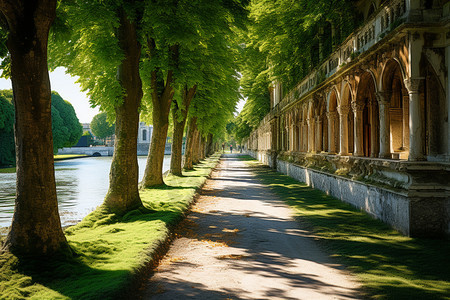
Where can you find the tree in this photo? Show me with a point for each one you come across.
(66, 128)
(36, 226)
(100, 126)
(285, 46)
(70, 121)
(200, 33)
(109, 69)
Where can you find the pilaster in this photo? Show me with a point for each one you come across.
(385, 141)
(358, 109)
(416, 128)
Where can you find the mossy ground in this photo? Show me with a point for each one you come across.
(389, 265)
(110, 251)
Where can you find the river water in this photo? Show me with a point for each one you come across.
(81, 185)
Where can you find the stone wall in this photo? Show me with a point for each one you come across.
(390, 207)
(415, 209)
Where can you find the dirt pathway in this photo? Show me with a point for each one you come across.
(240, 242)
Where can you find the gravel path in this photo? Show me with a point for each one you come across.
(241, 242)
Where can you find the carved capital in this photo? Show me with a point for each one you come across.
(332, 115)
(357, 107)
(412, 84)
(343, 110)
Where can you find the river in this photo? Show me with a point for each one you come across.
(81, 185)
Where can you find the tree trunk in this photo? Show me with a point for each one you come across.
(209, 145)
(202, 147)
(190, 140)
(36, 226)
(178, 130)
(123, 193)
(195, 154)
(162, 95)
(153, 175)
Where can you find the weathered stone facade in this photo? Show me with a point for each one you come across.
(370, 124)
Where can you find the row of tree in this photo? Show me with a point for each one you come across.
(285, 40)
(66, 129)
(134, 58)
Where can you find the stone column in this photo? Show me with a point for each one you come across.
(416, 128)
(308, 127)
(385, 140)
(319, 146)
(312, 132)
(292, 143)
(405, 116)
(331, 132)
(358, 109)
(343, 113)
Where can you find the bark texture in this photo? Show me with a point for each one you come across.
(209, 145)
(123, 193)
(162, 94)
(178, 129)
(190, 141)
(36, 226)
(196, 152)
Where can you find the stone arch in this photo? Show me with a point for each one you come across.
(397, 113)
(433, 110)
(386, 72)
(366, 117)
(333, 122)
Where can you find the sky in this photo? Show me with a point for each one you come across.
(69, 90)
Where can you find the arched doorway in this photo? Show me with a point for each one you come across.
(434, 113)
(398, 100)
(367, 119)
(333, 123)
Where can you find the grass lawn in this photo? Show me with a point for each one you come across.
(8, 170)
(389, 265)
(111, 251)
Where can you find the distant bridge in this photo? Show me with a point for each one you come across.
(142, 149)
(92, 151)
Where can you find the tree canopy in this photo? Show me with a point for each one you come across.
(284, 41)
(100, 126)
(66, 128)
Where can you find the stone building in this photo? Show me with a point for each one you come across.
(144, 137)
(370, 124)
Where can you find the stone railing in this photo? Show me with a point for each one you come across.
(374, 29)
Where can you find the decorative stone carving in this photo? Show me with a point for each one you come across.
(343, 110)
(412, 84)
(357, 107)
